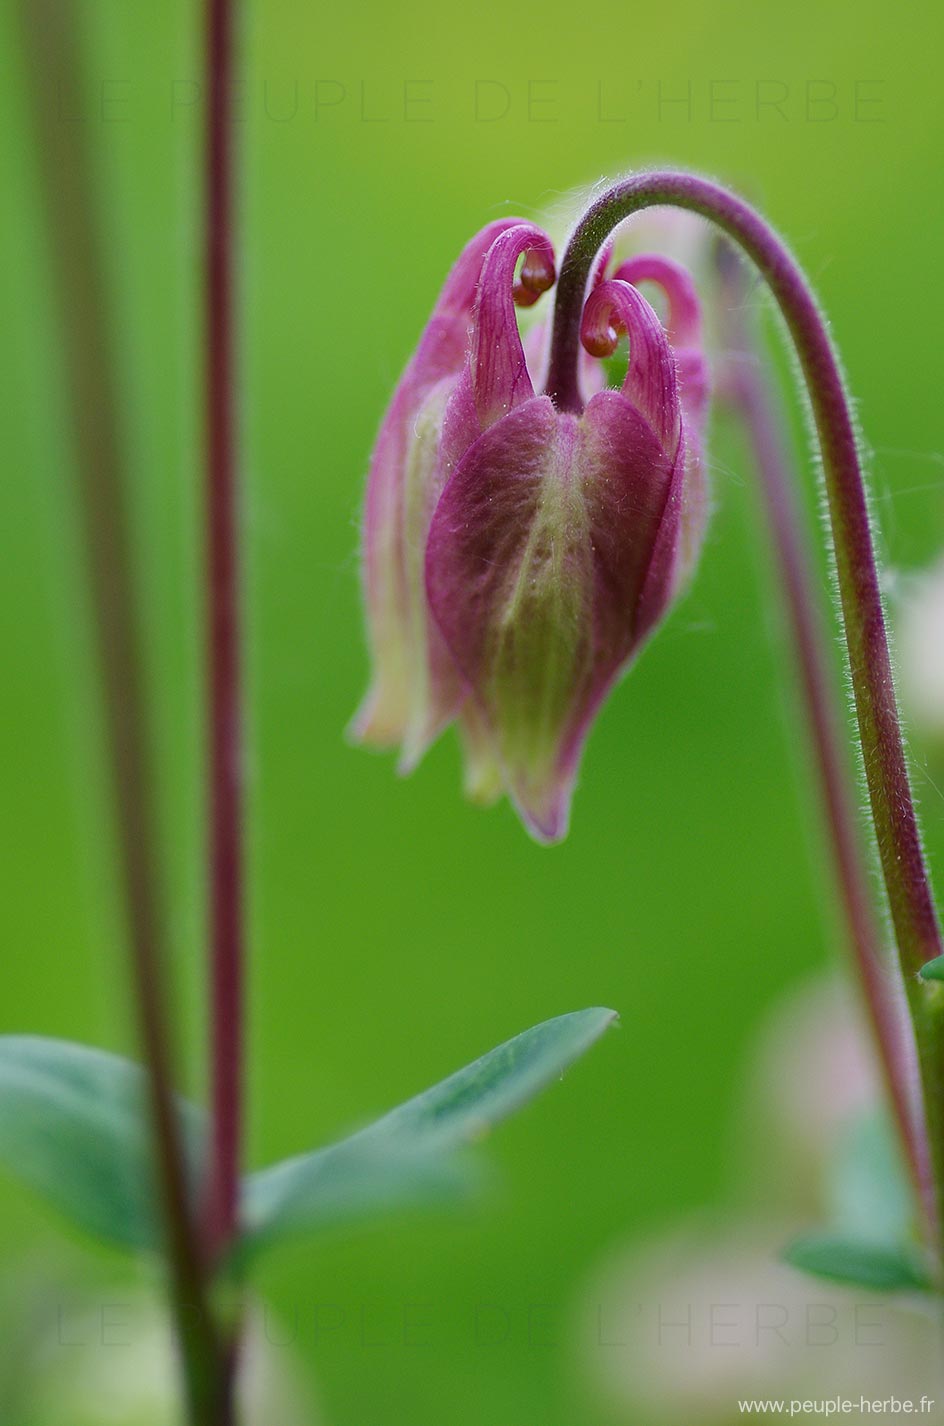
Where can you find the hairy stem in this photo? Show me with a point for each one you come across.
(51, 42)
(747, 390)
(913, 914)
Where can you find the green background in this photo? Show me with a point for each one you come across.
(395, 931)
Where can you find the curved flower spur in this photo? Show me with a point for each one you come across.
(517, 553)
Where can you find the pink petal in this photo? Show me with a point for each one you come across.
(497, 365)
(537, 557)
(651, 381)
(414, 689)
(685, 334)
(496, 377)
(684, 324)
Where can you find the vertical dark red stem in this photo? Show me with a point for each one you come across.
(51, 41)
(223, 632)
(748, 391)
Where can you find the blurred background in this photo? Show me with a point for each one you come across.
(395, 931)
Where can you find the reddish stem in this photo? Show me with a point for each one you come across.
(749, 393)
(51, 40)
(223, 649)
(907, 884)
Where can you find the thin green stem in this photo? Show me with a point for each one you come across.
(224, 667)
(225, 750)
(913, 913)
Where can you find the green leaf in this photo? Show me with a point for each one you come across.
(871, 1195)
(74, 1127)
(872, 1206)
(408, 1156)
(933, 970)
(346, 1182)
(858, 1263)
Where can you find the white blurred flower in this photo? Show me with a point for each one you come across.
(921, 650)
(113, 1363)
(680, 1331)
(810, 1072)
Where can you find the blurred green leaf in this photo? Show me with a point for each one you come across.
(933, 970)
(407, 1157)
(74, 1128)
(872, 1207)
(872, 1198)
(857, 1263)
(355, 1179)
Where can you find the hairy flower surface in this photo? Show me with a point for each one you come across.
(516, 555)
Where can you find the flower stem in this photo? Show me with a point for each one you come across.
(223, 649)
(906, 880)
(747, 390)
(51, 42)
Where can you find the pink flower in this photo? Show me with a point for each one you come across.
(518, 555)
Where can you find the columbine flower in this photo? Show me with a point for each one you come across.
(517, 555)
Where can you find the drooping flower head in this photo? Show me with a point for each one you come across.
(516, 555)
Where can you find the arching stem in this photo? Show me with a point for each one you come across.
(746, 388)
(913, 914)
